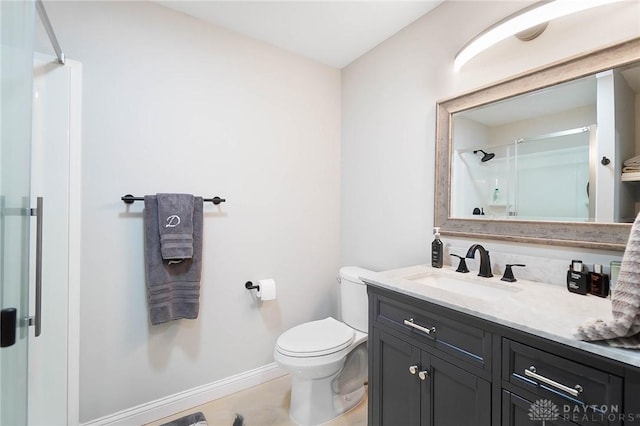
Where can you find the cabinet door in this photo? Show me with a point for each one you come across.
(518, 411)
(395, 391)
(456, 397)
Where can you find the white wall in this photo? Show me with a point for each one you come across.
(388, 128)
(173, 105)
(468, 174)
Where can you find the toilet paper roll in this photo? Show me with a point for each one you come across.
(267, 289)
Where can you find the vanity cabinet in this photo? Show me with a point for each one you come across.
(430, 365)
(560, 383)
(426, 390)
(418, 373)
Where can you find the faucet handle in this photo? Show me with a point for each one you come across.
(462, 266)
(508, 273)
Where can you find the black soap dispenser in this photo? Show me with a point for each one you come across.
(436, 249)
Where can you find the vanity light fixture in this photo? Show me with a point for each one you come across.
(530, 21)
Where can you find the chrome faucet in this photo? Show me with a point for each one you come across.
(485, 261)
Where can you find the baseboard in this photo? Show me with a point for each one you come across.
(163, 407)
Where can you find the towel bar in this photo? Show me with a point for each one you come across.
(129, 199)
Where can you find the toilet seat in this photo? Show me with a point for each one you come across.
(315, 338)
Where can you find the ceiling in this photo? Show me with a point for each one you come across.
(331, 32)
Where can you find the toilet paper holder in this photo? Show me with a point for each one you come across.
(249, 286)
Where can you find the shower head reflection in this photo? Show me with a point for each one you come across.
(487, 155)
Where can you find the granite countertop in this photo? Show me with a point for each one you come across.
(544, 310)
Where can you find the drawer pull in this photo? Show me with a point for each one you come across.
(413, 369)
(426, 330)
(531, 372)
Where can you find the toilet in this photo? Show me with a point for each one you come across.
(327, 359)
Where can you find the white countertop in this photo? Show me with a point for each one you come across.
(544, 310)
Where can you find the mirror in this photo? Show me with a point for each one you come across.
(540, 157)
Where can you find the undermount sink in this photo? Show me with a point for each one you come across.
(471, 286)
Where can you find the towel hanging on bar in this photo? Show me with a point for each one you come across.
(173, 288)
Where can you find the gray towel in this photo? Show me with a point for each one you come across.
(173, 288)
(175, 215)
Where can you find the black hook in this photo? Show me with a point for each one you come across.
(249, 286)
(605, 161)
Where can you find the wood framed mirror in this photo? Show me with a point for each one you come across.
(595, 230)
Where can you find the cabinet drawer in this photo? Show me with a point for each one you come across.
(453, 337)
(565, 381)
(518, 411)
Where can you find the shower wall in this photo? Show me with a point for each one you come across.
(55, 174)
(474, 182)
(171, 104)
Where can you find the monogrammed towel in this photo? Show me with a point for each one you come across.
(173, 287)
(175, 223)
(624, 330)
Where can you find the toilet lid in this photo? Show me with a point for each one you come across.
(315, 338)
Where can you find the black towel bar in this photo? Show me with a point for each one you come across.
(129, 199)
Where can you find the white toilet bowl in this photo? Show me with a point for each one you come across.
(327, 359)
(328, 372)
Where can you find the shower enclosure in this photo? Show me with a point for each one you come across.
(16, 62)
(39, 161)
(552, 176)
(544, 177)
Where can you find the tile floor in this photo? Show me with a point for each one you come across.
(263, 405)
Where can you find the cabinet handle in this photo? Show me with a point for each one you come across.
(426, 330)
(531, 372)
(413, 369)
(424, 375)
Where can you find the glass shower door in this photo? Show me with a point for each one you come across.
(16, 81)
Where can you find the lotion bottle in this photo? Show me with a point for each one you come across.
(436, 249)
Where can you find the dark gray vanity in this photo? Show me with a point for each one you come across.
(431, 363)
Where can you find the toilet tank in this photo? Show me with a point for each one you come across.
(354, 305)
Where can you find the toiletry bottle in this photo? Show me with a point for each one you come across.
(436, 249)
(598, 282)
(577, 281)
